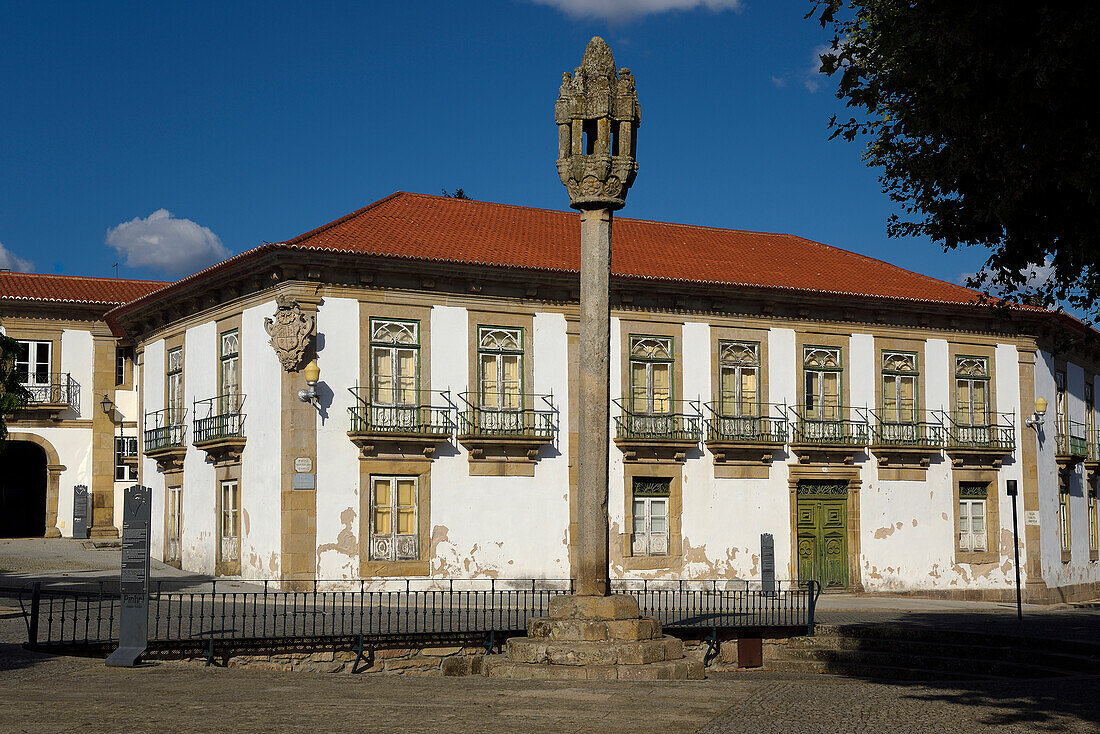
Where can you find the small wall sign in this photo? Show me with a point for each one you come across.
(303, 464)
(1031, 517)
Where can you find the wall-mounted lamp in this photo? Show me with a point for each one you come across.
(107, 406)
(1036, 419)
(312, 373)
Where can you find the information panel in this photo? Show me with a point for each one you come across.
(767, 563)
(134, 580)
(80, 512)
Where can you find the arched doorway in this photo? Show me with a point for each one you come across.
(23, 481)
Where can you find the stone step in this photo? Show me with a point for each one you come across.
(683, 669)
(644, 628)
(973, 649)
(839, 660)
(540, 650)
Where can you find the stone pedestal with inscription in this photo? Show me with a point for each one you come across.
(594, 638)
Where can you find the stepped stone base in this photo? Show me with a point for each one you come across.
(595, 638)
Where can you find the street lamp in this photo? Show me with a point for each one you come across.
(312, 373)
(1036, 419)
(106, 405)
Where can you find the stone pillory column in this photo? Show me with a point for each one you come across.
(593, 633)
(597, 115)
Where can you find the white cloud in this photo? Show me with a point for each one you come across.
(10, 261)
(812, 74)
(1036, 276)
(779, 81)
(629, 9)
(165, 243)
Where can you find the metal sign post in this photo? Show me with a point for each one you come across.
(767, 563)
(1011, 488)
(133, 634)
(80, 512)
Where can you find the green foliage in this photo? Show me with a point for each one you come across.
(977, 114)
(12, 394)
(456, 194)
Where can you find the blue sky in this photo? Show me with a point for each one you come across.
(258, 121)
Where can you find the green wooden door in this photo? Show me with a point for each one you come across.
(822, 520)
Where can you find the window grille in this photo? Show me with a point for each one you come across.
(650, 375)
(739, 378)
(175, 524)
(650, 509)
(394, 531)
(972, 517)
(230, 520)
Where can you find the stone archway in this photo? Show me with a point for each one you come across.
(54, 467)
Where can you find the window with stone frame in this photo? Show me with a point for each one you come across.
(650, 529)
(174, 386)
(229, 372)
(394, 531)
(175, 525)
(1094, 521)
(33, 362)
(899, 387)
(739, 379)
(972, 391)
(229, 526)
(395, 362)
(125, 446)
(822, 370)
(1061, 415)
(1063, 516)
(500, 368)
(973, 533)
(124, 364)
(651, 361)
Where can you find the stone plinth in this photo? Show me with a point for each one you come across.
(598, 638)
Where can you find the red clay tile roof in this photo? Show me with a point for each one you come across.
(73, 289)
(422, 227)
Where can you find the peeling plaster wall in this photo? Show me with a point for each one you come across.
(500, 527)
(337, 457)
(261, 480)
(200, 381)
(152, 394)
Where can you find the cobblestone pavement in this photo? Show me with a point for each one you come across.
(40, 693)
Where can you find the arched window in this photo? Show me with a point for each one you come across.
(822, 372)
(650, 375)
(395, 362)
(500, 363)
(739, 378)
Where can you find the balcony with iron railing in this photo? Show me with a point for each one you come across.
(900, 441)
(1092, 448)
(1071, 444)
(745, 434)
(658, 434)
(50, 395)
(978, 437)
(165, 434)
(830, 433)
(219, 427)
(411, 421)
(506, 427)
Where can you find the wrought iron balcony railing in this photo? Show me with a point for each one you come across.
(685, 425)
(829, 427)
(221, 417)
(763, 423)
(165, 429)
(417, 416)
(519, 422)
(1070, 439)
(1093, 445)
(988, 430)
(907, 434)
(55, 389)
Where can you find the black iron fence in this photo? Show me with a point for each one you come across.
(89, 620)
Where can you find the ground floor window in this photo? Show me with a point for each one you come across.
(394, 535)
(1094, 521)
(1063, 518)
(175, 524)
(230, 520)
(125, 446)
(650, 531)
(972, 517)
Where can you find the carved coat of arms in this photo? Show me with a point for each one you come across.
(289, 331)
